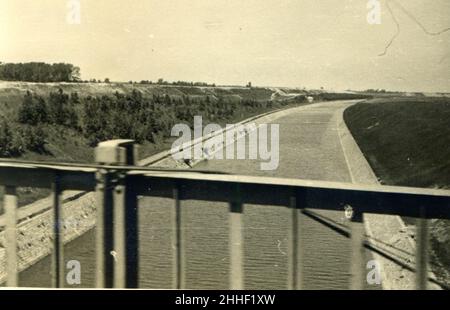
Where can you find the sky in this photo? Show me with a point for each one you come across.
(298, 43)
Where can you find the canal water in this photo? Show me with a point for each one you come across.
(309, 149)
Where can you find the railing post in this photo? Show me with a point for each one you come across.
(117, 232)
(422, 252)
(179, 254)
(131, 237)
(10, 208)
(236, 242)
(357, 266)
(296, 248)
(58, 236)
(103, 230)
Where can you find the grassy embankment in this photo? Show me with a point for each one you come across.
(407, 143)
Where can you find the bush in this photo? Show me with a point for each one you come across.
(33, 110)
(11, 144)
(34, 138)
(60, 110)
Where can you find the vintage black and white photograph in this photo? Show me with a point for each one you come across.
(225, 145)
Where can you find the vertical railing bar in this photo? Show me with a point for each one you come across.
(101, 200)
(132, 236)
(58, 236)
(296, 249)
(119, 224)
(292, 245)
(301, 205)
(179, 255)
(422, 252)
(10, 208)
(236, 242)
(357, 266)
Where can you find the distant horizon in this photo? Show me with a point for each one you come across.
(170, 83)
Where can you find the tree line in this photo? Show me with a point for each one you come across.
(39, 72)
(161, 81)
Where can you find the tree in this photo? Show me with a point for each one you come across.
(74, 98)
(33, 110)
(61, 109)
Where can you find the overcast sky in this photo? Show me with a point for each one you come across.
(310, 43)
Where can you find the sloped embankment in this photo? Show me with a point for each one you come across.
(406, 143)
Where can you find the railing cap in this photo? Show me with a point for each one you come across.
(119, 151)
(116, 143)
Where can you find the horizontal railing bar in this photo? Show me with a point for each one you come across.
(393, 200)
(381, 202)
(82, 167)
(179, 174)
(43, 178)
(291, 182)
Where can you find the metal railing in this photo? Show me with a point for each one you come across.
(118, 186)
